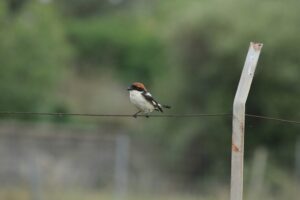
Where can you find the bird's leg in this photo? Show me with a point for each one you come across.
(135, 115)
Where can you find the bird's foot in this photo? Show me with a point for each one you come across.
(135, 115)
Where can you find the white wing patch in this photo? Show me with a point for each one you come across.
(148, 94)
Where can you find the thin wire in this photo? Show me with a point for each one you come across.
(114, 115)
(273, 119)
(152, 115)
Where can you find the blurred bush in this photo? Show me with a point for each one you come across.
(134, 49)
(34, 54)
(88, 8)
(209, 44)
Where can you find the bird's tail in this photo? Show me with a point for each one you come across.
(166, 106)
(159, 107)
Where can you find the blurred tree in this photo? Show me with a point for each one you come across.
(93, 8)
(209, 45)
(33, 55)
(134, 49)
(88, 8)
(15, 5)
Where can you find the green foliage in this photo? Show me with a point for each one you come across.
(193, 53)
(33, 56)
(85, 8)
(210, 46)
(132, 48)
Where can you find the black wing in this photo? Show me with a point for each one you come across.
(150, 99)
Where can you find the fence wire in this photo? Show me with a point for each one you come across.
(282, 120)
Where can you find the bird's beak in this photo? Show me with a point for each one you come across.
(129, 88)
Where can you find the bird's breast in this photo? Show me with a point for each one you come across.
(140, 102)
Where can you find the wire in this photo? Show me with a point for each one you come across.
(273, 118)
(152, 115)
(114, 115)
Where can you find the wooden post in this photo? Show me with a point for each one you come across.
(121, 166)
(238, 121)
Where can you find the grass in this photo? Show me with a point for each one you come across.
(79, 194)
(26, 194)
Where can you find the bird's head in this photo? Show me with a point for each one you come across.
(137, 86)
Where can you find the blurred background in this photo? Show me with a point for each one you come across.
(79, 56)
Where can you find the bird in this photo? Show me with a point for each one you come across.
(143, 100)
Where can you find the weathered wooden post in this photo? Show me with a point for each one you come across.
(238, 121)
(121, 166)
